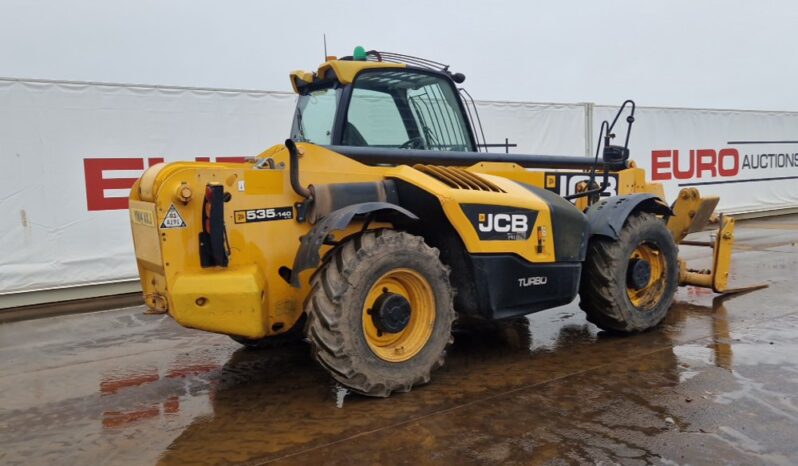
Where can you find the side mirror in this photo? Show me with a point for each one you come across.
(615, 154)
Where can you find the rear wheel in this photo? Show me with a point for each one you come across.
(628, 284)
(380, 313)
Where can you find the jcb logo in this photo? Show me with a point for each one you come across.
(565, 183)
(500, 223)
(503, 223)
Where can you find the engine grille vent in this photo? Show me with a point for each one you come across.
(458, 178)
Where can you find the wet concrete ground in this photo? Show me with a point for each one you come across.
(716, 383)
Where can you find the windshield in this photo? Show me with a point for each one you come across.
(405, 109)
(314, 116)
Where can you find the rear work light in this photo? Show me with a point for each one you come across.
(214, 251)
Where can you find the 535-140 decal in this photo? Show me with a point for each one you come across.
(264, 215)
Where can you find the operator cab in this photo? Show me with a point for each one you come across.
(367, 101)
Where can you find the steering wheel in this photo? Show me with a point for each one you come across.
(414, 143)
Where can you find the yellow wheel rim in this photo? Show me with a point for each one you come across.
(647, 297)
(403, 345)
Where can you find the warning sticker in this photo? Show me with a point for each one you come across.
(173, 219)
(142, 217)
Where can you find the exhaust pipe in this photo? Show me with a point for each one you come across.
(293, 169)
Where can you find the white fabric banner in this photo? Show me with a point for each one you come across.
(551, 129)
(748, 158)
(69, 153)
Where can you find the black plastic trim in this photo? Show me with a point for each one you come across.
(608, 216)
(510, 286)
(213, 237)
(341, 111)
(381, 155)
(570, 229)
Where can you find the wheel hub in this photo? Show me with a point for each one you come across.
(638, 274)
(391, 312)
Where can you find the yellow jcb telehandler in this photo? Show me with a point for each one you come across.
(380, 220)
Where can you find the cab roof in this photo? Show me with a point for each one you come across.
(343, 71)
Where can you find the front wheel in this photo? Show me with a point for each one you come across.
(628, 284)
(380, 313)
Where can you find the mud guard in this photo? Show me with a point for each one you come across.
(606, 217)
(308, 254)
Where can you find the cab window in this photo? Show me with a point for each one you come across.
(405, 109)
(314, 116)
(375, 114)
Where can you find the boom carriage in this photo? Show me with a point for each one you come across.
(379, 218)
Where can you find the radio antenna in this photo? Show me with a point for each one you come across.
(324, 35)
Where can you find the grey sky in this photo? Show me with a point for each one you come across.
(722, 54)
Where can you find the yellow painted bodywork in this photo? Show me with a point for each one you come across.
(228, 300)
(267, 304)
(691, 213)
(716, 278)
(345, 71)
(514, 195)
(249, 298)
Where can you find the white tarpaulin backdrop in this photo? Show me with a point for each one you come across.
(70, 152)
(50, 235)
(748, 158)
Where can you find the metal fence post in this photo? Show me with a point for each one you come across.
(589, 107)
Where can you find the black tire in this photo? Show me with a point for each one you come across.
(603, 290)
(335, 306)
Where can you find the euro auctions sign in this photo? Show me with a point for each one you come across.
(746, 175)
(749, 159)
(705, 166)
